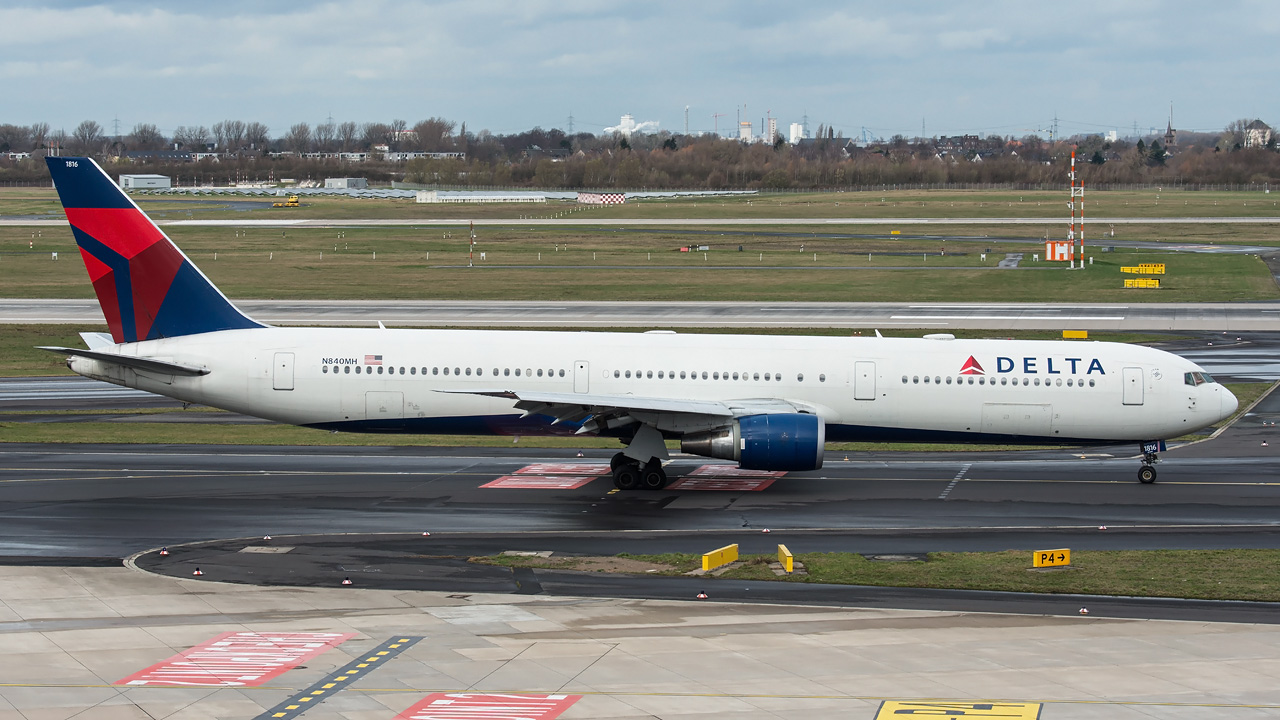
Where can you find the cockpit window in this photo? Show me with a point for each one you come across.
(1196, 378)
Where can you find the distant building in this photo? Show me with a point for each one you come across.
(772, 136)
(1170, 136)
(345, 183)
(744, 131)
(166, 155)
(145, 182)
(1257, 134)
(797, 133)
(1111, 136)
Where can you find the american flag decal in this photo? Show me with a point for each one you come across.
(372, 359)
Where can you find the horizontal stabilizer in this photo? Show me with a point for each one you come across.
(137, 363)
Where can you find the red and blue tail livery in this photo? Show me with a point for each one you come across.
(147, 287)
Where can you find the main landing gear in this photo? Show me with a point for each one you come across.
(629, 474)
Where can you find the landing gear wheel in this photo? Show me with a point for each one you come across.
(1147, 475)
(653, 477)
(626, 477)
(617, 461)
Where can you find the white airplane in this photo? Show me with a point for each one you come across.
(766, 402)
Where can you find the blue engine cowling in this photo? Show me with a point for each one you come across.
(782, 441)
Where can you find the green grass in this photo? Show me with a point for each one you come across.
(1201, 574)
(422, 264)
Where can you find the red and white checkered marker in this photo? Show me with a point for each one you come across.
(164, 551)
(1102, 527)
(198, 572)
(426, 534)
(765, 531)
(702, 596)
(266, 537)
(1084, 611)
(346, 581)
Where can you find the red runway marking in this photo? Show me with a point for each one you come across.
(738, 484)
(488, 706)
(570, 468)
(540, 482)
(237, 659)
(732, 471)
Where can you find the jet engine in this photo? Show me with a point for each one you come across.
(781, 441)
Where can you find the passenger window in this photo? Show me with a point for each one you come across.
(926, 380)
(948, 379)
(414, 370)
(766, 377)
(735, 376)
(1059, 382)
(379, 369)
(800, 377)
(715, 376)
(539, 372)
(649, 375)
(517, 372)
(468, 372)
(324, 368)
(628, 374)
(822, 377)
(561, 372)
(970, 379)
(617, 373)
(660, 374)
(904, 379)
(1037, 382)
(704, 374)
(457, 371)
(756, 377)
(915, 379)
(681, 374)
(1090, 382)
(347, 370)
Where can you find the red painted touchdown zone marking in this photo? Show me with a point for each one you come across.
(540, 482)
(570, 468)
(738, 484)
(731, 471)
(488, 706)
(237, 659)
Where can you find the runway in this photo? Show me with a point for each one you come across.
(1137, 317)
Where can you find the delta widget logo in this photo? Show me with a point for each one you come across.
(971, 367)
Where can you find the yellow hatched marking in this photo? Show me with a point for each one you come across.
(957, 710)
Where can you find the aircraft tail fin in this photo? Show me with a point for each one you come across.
(146, 286)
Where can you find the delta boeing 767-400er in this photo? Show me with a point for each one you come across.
(765, 402)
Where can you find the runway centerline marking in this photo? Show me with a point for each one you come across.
(339, 680)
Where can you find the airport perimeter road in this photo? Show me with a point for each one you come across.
(1139, 317)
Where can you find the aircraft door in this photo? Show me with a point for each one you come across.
(864, 380)
(581, 376)
(1133, 383)
(282, 372)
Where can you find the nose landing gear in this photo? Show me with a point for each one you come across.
(1147, 473)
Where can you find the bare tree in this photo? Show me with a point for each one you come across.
(435, 134)
(219, 131)
(298, 139)
(39, 133)
(58, 139)
(257, 135)
(234, 130)
(194, 138)
(324, 135)
(88, 136)
(145, 136)
(397, 129)
(375, 133)
(14, 138)
(347, 132)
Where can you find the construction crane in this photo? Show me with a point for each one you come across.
(716, 117)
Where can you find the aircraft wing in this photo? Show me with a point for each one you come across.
(597, 412)
(137, 363)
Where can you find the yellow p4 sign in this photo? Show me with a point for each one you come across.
(957, 710)
(1051, 558)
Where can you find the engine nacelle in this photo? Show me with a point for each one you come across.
(782, 441)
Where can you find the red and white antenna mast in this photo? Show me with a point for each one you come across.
(1076, 231)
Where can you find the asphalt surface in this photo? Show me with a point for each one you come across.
(95, 504)
(1136, 317)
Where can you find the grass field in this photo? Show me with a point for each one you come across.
(528, 264)
(1202, 574)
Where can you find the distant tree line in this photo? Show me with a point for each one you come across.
(238, 150)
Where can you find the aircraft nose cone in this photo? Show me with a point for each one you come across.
(1229, 403)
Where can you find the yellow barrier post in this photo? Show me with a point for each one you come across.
(1075, 334)
(722, 556)
(1051, 558)
(784, 557)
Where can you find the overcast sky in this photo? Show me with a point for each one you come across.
(998, 66)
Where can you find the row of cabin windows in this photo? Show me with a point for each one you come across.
(506, 372)
(705, 375)
(983, 380)
(529, 372)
